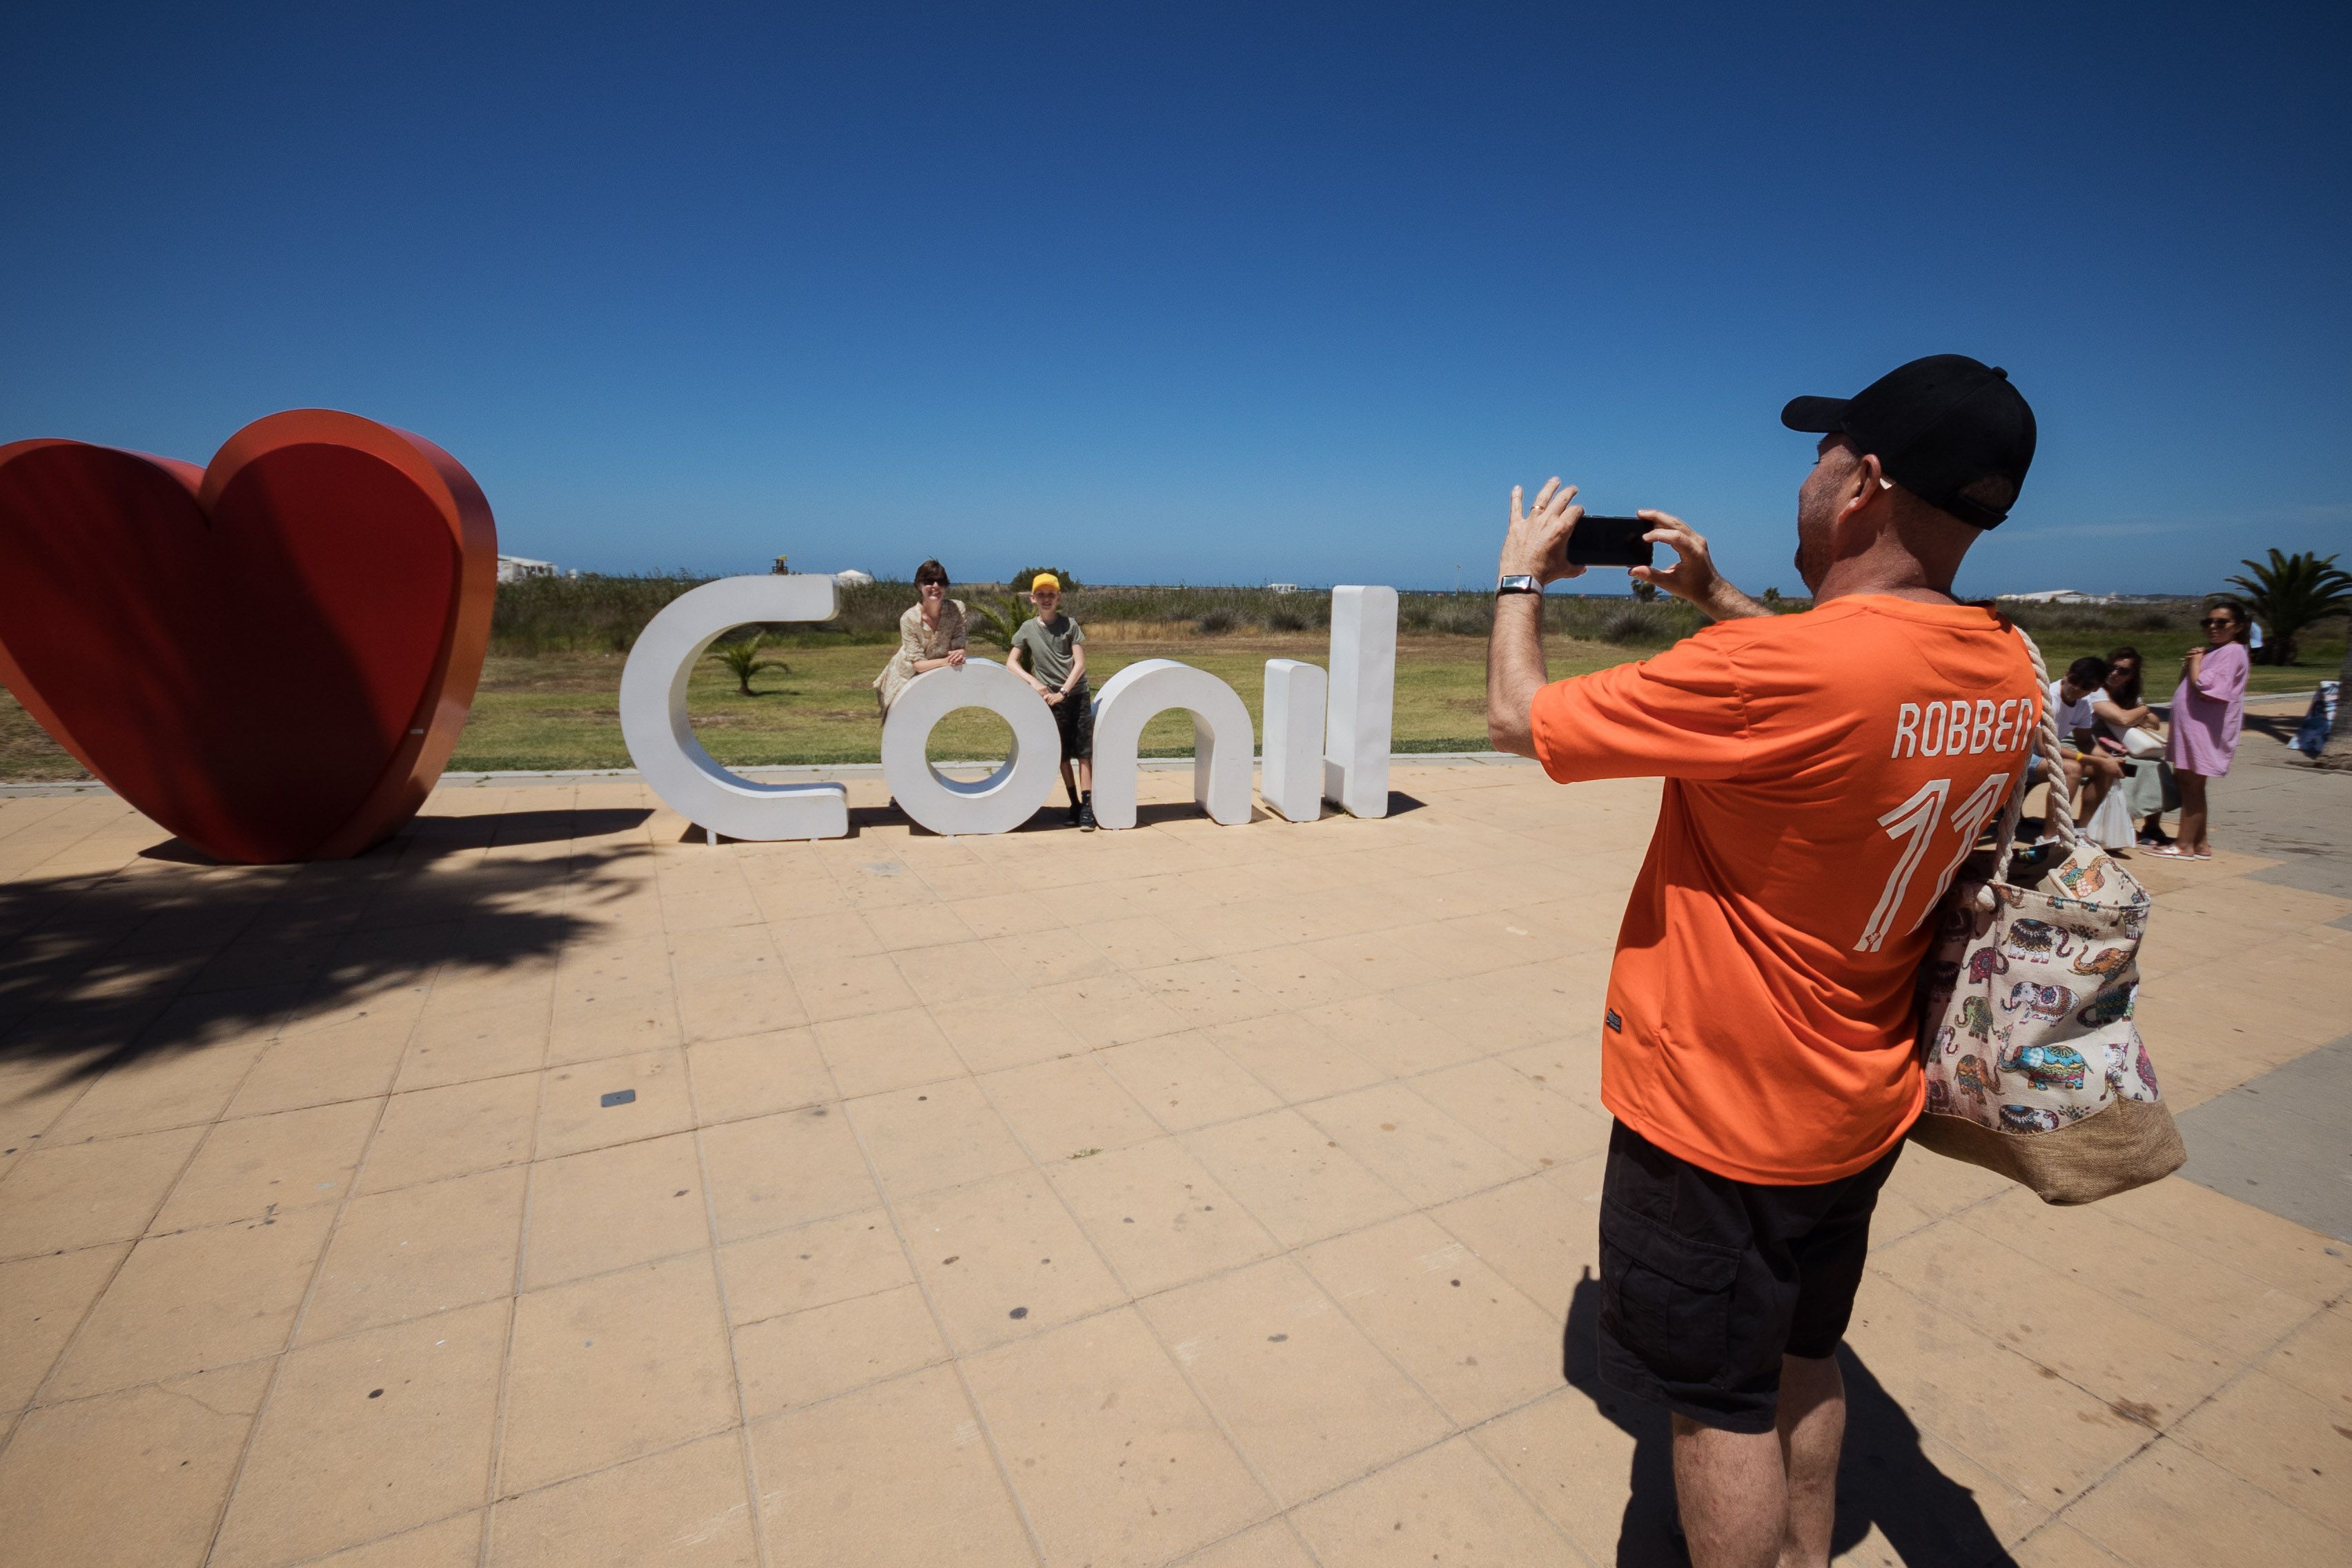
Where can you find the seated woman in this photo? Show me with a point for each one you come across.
(2117, 704)
(2121, 713)
(930, 635)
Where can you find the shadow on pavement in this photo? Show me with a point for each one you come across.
(2277, 728)
(1053, 817)
(1884, 1477)
(172, 955)
(508, 830)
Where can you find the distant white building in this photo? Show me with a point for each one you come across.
(1283, 587)
(853, 578)
(2060, 597)
(515, 568)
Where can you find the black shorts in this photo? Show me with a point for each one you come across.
(1074, 716)
(1707, 1282)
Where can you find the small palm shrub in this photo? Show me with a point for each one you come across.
(742, 658)
(994, 617)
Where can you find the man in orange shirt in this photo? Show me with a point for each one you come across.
(1826, 775)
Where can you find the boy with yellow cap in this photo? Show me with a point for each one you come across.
(1049, 652)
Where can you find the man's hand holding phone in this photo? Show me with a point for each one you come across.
(1536, 544)
(1693, 575)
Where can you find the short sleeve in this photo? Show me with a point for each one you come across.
(957, 636)
(1680, 715)
(1077, 634)
(2227, 682)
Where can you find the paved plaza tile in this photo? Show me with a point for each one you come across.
(554, 1187)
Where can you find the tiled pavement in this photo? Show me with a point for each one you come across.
(1197, 1194)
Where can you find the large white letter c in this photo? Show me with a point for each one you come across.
(661, 739)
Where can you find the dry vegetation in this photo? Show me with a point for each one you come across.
(549, 692)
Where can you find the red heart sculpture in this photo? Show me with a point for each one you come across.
(273, 656)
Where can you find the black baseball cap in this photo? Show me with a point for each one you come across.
(1937, 426)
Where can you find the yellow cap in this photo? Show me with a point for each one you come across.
(1045, 580)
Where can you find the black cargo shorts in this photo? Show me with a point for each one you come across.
(1074, 716)
(1707, 1282)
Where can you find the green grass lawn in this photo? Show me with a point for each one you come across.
(558, 709)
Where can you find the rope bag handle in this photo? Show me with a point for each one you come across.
(2062, 798)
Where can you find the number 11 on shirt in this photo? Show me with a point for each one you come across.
(1912, 825)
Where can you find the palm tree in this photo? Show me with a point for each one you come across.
(741, 658)
(995, 618)
(2290, 593)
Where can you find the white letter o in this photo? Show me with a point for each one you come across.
(1005, 798)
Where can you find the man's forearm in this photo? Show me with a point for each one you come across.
(1515, 673)
(1726, 603)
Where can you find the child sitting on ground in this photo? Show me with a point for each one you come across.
(1049, 652)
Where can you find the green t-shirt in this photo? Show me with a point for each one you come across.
(1046, 650)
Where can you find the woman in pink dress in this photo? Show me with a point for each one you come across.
(2206, 711)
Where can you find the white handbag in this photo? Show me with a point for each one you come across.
(2143, 745)
(2034, 1068)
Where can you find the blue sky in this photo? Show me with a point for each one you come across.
(1200, 293)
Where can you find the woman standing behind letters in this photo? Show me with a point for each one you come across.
(930, 635)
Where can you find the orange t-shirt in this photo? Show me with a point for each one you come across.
(1826, 774)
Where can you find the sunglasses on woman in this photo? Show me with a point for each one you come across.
(2220, 620)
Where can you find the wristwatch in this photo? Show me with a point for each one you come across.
(1517, 583)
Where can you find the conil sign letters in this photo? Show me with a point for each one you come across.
(1327, 737)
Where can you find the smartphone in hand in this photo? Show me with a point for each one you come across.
(1609, 541)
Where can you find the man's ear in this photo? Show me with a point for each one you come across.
(1865, 487)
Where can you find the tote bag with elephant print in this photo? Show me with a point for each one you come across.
(2034, 1066)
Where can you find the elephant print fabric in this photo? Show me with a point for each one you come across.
(2034, 939)
(2051, 992)
(2105, 961)
(2050, 1002)
(2048, 1066)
